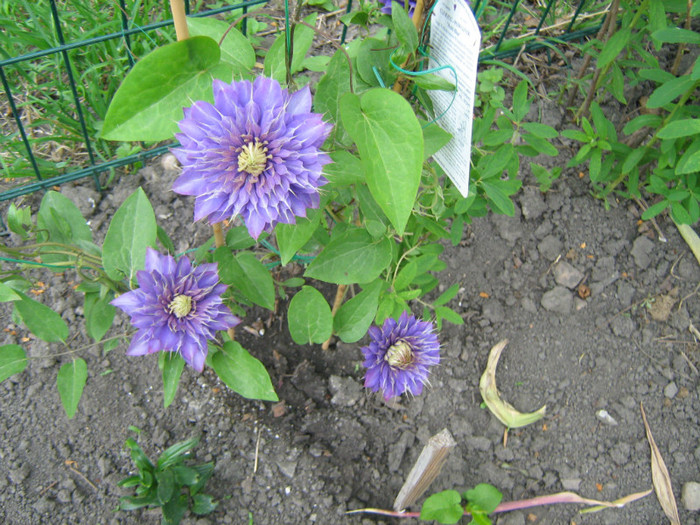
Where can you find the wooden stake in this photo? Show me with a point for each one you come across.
(177, 7)
(426, 469)
(339, 295)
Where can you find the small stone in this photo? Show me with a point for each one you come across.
(605, 417)
(531, 203)
(571, 484)
(623, 326)
(346, 391)
(397, 451)
(479, 443)
(63, 496)
(671, 390)
(567, 275)
(641, 251)
(558, 299)
(288, 468)
(43, 506)
(690, 495)
(550, 247)
(493, 311)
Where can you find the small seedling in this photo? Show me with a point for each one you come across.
(169, 484)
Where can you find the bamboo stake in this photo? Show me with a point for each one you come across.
(339, 295)
(427, 467)
(177, 7)
(417, 19)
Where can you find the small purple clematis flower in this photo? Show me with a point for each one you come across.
(386, 9)
(255, 153)
(399, 355)
(177, 308)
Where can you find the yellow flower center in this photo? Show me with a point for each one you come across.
(253, 158)
(399, 355)
(181, 305)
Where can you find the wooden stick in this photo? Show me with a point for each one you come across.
(177, 7)
(339, 295)
(426, 469)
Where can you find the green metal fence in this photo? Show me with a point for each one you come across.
(508, 28)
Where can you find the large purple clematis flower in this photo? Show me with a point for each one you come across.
(255, 153)
(177, 308)
(387, 6)
(399, 355)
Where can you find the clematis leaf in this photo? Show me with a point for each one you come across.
(504, 411)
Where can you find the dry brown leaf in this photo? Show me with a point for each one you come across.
(660, 477)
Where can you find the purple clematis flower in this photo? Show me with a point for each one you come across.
(399, 355)
(386, 9)
(177, 308)
(255, 153)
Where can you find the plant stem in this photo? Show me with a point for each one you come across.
(339, 295)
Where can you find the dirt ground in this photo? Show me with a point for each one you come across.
(332, 447)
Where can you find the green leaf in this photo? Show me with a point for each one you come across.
(175, 509)
(62, 219)
(236, 50)
(690, 161)
(41, 320)
(238, 238)
(172, 370)
(668, 91)
(680, 128)
(540, 130)
(205, 470)
(431, 81)
(448, 314)
(498, 199)
(641, 121)
(614, 46)
(99, 315)
(434, 138)
(148, 104)
(8, 294)
(484, 496)
(354, 317)
(373, 59)
(165, 240)
(18, 218)
(444, 507)
(390, 142)
(63, 222)
(243, 373)
(13, 360)
(166, 485)
(406, 32)
(335, 83)
(70, 383)
(246, 274)
(131, 231)
(447, 295)
(176, 453)
(203, 504)
(309, 317)
(292, 237)
(138, 457)
(521, 105)
(405, 276)
(346, 169)
(352, 256)
(185, 475)
(676, 35)
(274, 65)
(654, 210)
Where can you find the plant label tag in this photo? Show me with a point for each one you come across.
(455, 40)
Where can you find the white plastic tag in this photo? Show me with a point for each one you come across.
(455, 40)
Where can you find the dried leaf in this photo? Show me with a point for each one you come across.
(503, 410)
(619, 502)
(661, 477)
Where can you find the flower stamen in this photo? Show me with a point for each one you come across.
(253, 158)
(399, 355)
(180, 306)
